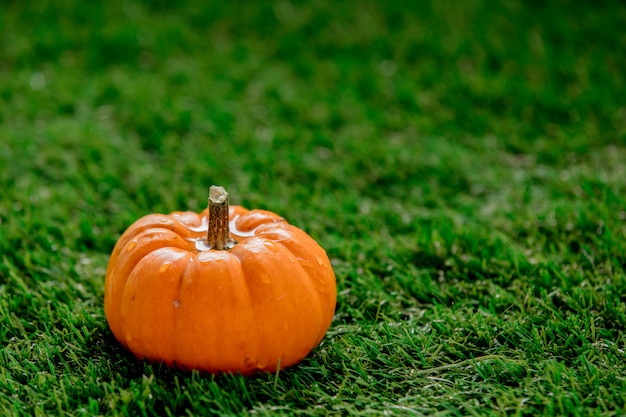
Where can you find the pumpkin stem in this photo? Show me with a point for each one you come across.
(218, 235)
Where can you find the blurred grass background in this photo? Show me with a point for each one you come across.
(461, 162)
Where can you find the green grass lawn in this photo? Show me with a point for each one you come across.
(463, 164)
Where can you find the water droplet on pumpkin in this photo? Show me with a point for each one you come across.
(305, 263)
(319, 259)
(204, 257)
(131, 245)
(164, 267)
(262, 363)
(176, 303)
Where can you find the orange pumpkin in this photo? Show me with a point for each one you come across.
(225, 290)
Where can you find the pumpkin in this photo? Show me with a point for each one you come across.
(227, 290)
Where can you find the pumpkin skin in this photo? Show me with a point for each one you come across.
(261, 305)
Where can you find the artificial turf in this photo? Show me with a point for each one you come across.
(463, 164)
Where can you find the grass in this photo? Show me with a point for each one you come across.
(461, 162)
